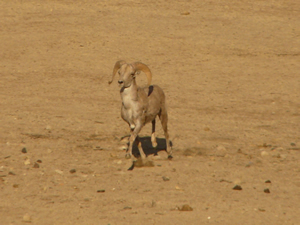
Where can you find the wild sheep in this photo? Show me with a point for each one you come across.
(140, 105)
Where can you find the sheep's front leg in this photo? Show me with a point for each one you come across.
(134, 137)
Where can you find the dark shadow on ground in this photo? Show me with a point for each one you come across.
(147, 146)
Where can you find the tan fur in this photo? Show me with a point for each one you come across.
(141, 105)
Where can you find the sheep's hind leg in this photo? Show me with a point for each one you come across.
(164, 122)
(139, 144)
(153, 138)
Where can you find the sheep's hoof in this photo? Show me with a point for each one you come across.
(132, 166)
(170, 157)
(154, 144)
(127, 156)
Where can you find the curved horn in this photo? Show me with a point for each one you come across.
(116, 68)
(138, 66)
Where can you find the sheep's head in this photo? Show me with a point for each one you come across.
(127, 72)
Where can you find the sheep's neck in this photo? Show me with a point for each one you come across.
(129, 95)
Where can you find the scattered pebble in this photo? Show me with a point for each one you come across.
(227, 181)
(113, 155)
(268, 181)
(124, 147)
(39, 161)
(262, 210)
(36, 165)
(98, 148)
(186, 207)
(127, 207)
(27, 162)
(15, 185)
(264, 153)
(206, 129)
(59, 172)
(185, 13)
(266, 190)
(178, 188)
(100, 191)
(165, 178)
(27, 218)
(237, 187)
(293, 144)
(73, 171)
(11, 173)
(24, 150)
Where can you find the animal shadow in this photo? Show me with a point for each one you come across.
(148, 148)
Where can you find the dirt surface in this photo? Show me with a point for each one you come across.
(230, 71)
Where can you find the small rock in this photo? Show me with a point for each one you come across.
(113, 155)
(165, 178)
(36, 165)
(249, 164)
(264, 153)
(15, 185)
(100, 191)
(124, 147)
(178, 188)
(27, 218)
(127, 207)
(11, 173)
(268, 181)
(237, 187)
(206, 129)
(186, 207)
(262, 210)
(59, 172)
(185, 13)
(48, 127)
(24, 150)
(227, 181)
(276, 155)
(39, 161)
(27, 162)
(73, 171)
(98, 148)
(293, 144)
(266, 190)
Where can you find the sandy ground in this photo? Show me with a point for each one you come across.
(230, 71)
